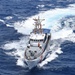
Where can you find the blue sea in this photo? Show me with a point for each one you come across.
(16, 22)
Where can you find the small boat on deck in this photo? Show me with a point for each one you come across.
(38, 45)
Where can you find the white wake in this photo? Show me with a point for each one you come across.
(52, 21)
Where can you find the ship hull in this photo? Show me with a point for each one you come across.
(33, 63)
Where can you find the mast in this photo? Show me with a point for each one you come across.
(38, 25)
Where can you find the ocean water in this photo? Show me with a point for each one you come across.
(16, 22)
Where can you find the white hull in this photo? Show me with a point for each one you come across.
(33, 63)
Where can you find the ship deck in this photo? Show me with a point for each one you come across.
(33, 52)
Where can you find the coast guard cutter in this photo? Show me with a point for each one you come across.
(38, 45)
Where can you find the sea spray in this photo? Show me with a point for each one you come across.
(52, 21)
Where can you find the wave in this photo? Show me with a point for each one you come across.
(8, 17)
(2, 21)
(52, 21)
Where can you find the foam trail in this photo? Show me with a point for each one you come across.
(71, 38)
(52, 18)
(61, 34)
(24, 27)
(2, 21)
(18, 49)
(8, 17)
(20, 63)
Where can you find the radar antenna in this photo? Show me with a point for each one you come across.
(38, 25)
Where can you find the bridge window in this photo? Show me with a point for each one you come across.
(36, 40)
